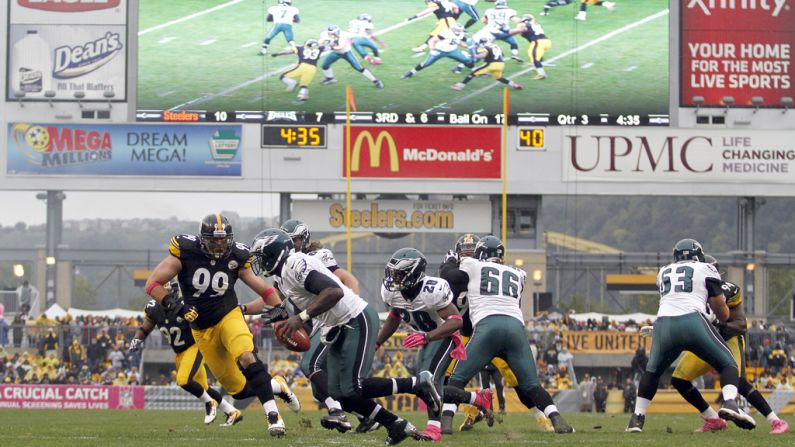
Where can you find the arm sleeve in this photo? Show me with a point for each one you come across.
(714, 287)
(315, 282)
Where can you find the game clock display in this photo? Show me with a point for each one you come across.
(287, 137)
(406, 61)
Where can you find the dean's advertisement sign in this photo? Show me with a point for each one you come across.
(737, 48)
(427, 152)
(689, 156)
(72, 397)
(144, 150)
(397, 216)
(64, 59)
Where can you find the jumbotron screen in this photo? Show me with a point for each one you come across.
(583, 62)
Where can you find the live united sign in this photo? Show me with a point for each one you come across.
(427, 152)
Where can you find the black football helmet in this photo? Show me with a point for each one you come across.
(490, 248)
(297, 229)
(465, 245)
(687, 249)
(216, 236)
(709, 259)
(405, 269)
(270, 248)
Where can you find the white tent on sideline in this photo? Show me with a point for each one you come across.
(56, 311)
(621, 318)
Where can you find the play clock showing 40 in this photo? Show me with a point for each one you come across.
(280, 136)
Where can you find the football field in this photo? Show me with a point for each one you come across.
(184, 428)
(203, 55)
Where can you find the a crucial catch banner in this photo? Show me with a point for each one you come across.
(397, 216)
(427, 152)
(140, 150)
(690, 156)
(71, 397)
(737, 48)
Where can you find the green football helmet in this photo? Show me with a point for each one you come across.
(490, 248)
(405, 269)
(688, 249)
(270, 248)
(297, 229)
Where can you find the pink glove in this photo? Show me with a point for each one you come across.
(415, 339)
(460, 351)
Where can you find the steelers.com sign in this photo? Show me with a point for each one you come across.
(141, 150)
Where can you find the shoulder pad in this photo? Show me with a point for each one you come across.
(733, 294)
(151, 310)
(298, 266)
(181, 243)
(242, 253)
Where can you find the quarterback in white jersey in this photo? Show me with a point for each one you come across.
(363, 37)
(498, 21)
(686, 288)
(425, 303)
(283, 15)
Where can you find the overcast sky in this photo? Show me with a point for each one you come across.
(24, 207)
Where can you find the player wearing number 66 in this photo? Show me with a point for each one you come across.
(207, 267)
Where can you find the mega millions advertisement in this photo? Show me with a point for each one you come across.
(737, 48)
(145, 150)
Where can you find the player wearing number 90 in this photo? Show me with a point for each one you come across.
(493, 291)
(425, 303)
(207, 267)
(191, 376)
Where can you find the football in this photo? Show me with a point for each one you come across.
(299, 341)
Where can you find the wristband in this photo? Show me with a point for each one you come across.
(304, 316)
(243, 307)
(455, 317)
(151, 287)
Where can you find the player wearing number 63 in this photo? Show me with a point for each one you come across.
(493, 291)
(191, 377)
(687, 286)
(207, 267)
(425, 303)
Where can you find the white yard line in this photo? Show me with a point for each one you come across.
(189, 17)
(575, 50)
(208, 42)
(244, 84)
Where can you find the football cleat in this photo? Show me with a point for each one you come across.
(398, 431)
(210, 411)
(406, 75)
(539, 77)
(431, 433)
(515, 85)
(636, 423)
(447, 424)
(328, 81)
(263, 51)
(580, 16)
(610, 6)
(483, 400)
(560, 424)
(779, 426)
(426, 390)
(287, 394)
(457, 69)
(517, 59)
(232, 418)
(276, 425)
(367, 425)
(543, 13)
(336, 420)
(544, 424)
(731, 412)
(458, 86)
(712, 424)
(378, 83)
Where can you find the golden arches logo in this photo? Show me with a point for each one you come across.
(374, 145)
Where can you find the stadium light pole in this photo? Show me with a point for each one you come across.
(505, 108)
(54, 200)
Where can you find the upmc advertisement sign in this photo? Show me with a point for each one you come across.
(738, 48)
(427, 152)
(145, 150)
(76, 397)
(689, 156)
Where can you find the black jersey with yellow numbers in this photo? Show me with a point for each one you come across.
(172, 326)
(208, 284)
(459, 282)
(733, 294)
(493, 53)
(308, 55)
(444, 10)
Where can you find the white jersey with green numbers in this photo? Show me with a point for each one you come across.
(683, 287)
(493, 289)
(420, 312)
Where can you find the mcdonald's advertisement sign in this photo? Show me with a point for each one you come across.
(427, 152)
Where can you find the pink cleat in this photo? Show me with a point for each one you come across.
(458, 86)
(780, 426)
(431, 433)
(713, 424)
(483, 400)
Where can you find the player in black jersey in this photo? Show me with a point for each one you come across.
(445, 12)
(493, 66)
(207, 266)
(191, 376)
(304, 71)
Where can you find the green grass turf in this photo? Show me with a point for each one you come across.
(626, 73)
(184, 428)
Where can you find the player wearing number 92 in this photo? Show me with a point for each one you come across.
(207, 267)
(687, 287)
(425, 303)
(493, 291)
(191, 376)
